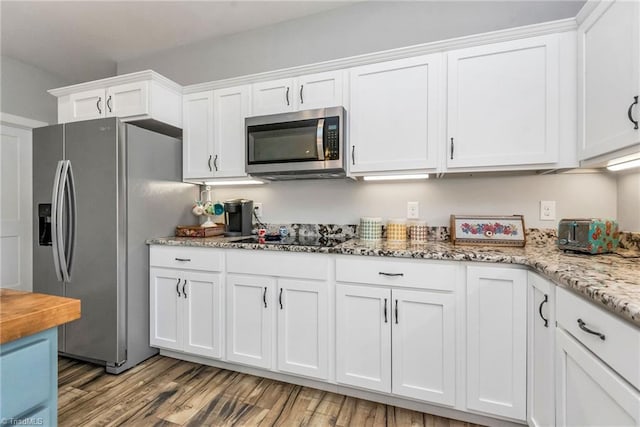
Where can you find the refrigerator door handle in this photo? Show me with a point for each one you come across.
(63, 240)
(55, 220)
(72, 223)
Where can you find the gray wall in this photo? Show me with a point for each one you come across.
(629, 201)
(23, 90)
(361, 28)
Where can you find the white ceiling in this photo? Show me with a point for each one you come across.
(83, 40)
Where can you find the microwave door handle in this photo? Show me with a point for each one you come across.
(320, 139)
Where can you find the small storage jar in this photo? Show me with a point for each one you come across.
(397, 229)
(370, 228)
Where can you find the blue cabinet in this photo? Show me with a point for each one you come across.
(29, 380)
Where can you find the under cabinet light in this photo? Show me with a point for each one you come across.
(395, 177)
(623, 163)
(235, 182)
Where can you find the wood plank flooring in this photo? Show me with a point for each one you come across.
(167, 392)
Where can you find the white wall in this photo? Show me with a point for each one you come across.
(344, 201)
(365, 27)
(23, 90)
(629, 201)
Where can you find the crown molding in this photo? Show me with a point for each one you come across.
(20, 122)
(138, 76)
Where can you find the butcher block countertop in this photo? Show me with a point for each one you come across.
(26, 313)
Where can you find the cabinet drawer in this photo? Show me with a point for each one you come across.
(186, 258)
(410, 273)
(620, 348)
(281, 264)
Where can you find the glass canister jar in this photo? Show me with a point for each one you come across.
(397, 229)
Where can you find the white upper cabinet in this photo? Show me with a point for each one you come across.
(213, 133)
(136, 96)
(394, 115)
(503, 104)
(320, 90)
(609, 79)
(197, 135)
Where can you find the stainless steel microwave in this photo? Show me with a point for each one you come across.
(305, 144)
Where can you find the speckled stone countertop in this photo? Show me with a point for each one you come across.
(611, 280)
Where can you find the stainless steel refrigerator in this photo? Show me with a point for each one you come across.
(100, 189)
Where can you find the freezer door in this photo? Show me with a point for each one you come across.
(97, 273)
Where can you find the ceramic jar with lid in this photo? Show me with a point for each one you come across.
(370, 228)
(397, 229)
(418, 231)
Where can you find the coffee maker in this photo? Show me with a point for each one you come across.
(238, 215)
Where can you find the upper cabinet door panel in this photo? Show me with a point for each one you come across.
(273, 97)
(320, 90)
(131, 99)
(394, 114)
(503, 103)
(609, 78)
(197, 145)
(87, 105)
(231, 107)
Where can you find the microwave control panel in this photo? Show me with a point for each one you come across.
(332, 139)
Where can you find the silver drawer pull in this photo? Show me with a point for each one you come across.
(183, 259)
(583, 326)
(382, 273)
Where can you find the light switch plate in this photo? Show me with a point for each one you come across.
(413, 211)
(547, 210)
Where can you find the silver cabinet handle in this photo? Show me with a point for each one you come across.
(451, 148)
(385, 310)
(287, 95)
(98, 105)
(635, 122)
(184, 291)
(583, 326)
(353, 155)
(546, 321)
(209, 163)
(215, 163)
(301, 98)
(396, 312)
(280, 298)
(264, 297)
(178, 288)
(109, 103)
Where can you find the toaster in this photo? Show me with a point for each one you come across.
(593, 236)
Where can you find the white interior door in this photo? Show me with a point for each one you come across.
(15, 208)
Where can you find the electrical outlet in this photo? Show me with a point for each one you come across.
(413, 210)
(257, 209)
(547, 210)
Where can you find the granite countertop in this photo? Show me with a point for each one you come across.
(26, 313)
(611, 280)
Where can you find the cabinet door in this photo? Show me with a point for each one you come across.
(303, 328)
(276, 96)
(131, 99)
(203, 314)
(394, 117)
(609, 78)
(90, 104)
(363, 337)
(197, 128)
(231, 107)
(166, 308)
(588, 392)
(503, 104)
(250, 301)
(541, 353)
(320, 90)
(423, 345)
(497, 341)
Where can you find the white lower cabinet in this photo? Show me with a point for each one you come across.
(392, 340)
(186, 311)
(541, 328)
(282, 317)
(497, 341)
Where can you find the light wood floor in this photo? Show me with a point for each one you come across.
(169, 392)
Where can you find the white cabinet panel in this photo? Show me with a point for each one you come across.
(250, 320)
(588, 392)
(131, 99)
(87, 105)
(165, 309)
(231, 107)
(394, 114)
(203, 314)
(272, 97)
(320, 90)
(423, 345)
(609, 78)
(497, 341)
(303, 328)
(363, 337)
(197, 145)
(541, 352)
(503, 103)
